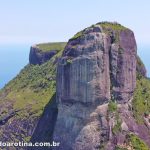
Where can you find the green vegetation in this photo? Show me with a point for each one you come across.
(140, 68)
(32, 88)
(59, 46)
(69, 61)
(111, 25)
(112, 29)
(112, 106)
(29, 92)
(139, 62)
(107, 27)
(120, 148)
(141, 100)
(113, 112)
(81, 33)
(137, 143)
(117, 128)
(77, 35)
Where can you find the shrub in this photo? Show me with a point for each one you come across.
(141, 99)
(137, 143)
(112, 106)
(69, 61)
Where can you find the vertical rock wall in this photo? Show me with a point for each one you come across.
(123, 66)
(98, 64)
(38, 57)
(83, 71)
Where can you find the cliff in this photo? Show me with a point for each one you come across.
(90, 94)
(141, 70)
(102, 62)
(41, 53)
(96, 79)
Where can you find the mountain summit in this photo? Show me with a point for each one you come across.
(96, 79)
(91, 93)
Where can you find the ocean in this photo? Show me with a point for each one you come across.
(15, 57)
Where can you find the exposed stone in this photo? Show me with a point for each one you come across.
(123, 66)
(139, 129)
(140, 67)
(124, 127)
(96, 65)
(37, 56)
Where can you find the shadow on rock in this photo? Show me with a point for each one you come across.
(45, 127)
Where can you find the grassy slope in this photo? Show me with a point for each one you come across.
(106, 26)
(28, 92)
(31, 90)
(112, 25)
(141, 100)
(51, 46)
(133, 143)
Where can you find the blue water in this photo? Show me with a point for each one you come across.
(12, 59)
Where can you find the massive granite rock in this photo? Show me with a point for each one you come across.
(98, 65)
(123, 66)
(83, 71)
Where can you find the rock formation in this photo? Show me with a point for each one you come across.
(97, 66)
(94, 102)
(140, 68)
(100, 60)
(41, 53)
(39, 57)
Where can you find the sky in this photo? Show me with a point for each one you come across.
(35, 21)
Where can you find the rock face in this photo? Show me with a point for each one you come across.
(37, 56)
(97, 65)
(83, 71)
(123, 66)
(96, 62)
(140, 68)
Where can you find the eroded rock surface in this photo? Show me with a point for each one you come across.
(140, 68)
(37, 56)
(97, 65)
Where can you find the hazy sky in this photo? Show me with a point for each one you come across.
(32, 21)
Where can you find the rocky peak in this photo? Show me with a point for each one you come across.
(98, 65)
(103, 57)
(140, 67)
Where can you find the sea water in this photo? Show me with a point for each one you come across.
(13, 57)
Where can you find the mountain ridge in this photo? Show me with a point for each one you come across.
(35, 87)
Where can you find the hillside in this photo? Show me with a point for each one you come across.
(23, 99)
